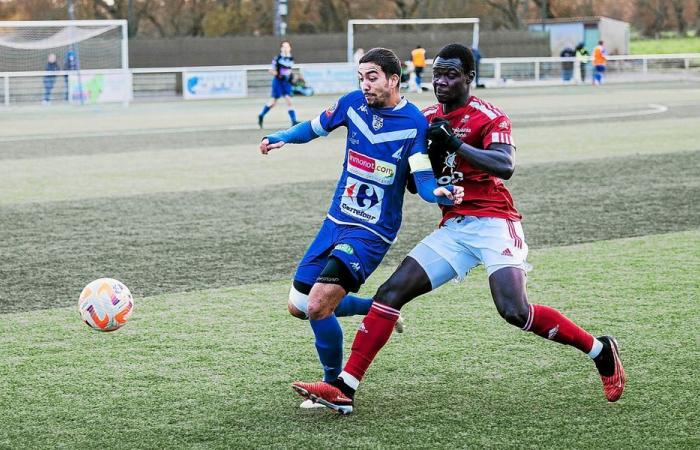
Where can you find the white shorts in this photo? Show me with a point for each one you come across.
(466, 241)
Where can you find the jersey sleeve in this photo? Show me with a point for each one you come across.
(418, 158)
(498, 131)
(333, 117)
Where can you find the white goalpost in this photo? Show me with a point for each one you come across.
(79, 61)
(444, 21)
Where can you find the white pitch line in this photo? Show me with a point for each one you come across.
(654, 109)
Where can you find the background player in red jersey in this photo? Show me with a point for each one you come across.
(470, 146)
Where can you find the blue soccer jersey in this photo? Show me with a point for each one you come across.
(380, 142)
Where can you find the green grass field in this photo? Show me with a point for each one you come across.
(174, 200)
(665, 45)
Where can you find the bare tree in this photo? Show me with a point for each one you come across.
(509, 10)
(678, 7)
(658, 9)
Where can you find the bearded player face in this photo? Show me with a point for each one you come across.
(450, 83)
(375, 85)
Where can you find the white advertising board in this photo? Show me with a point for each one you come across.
(214, 84)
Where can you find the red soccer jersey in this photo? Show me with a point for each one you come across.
(479, 124)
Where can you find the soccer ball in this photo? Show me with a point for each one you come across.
(105, 304)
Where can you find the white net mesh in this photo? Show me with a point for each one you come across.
(27, 48)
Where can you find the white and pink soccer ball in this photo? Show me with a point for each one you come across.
(105, 304)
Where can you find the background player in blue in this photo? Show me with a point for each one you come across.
(386, 143)
(281, 71)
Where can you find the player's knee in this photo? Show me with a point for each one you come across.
(319, 309)
(514, 314)
(389, 294)
(298, 302)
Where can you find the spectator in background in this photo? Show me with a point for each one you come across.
(567, 67)
(418, 60)
(70, 64)
(50, 80)
(600, 57)
(581, 61)
(477, 62)
(405, 76)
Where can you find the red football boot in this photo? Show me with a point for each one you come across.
(326, 394)
(614, 384)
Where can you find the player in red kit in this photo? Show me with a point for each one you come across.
(470, 146)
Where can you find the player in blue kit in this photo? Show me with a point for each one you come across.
(281, 72)
(386, 144)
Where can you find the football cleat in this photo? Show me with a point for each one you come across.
(309, 404)
(614, 384)
(399, 326)
(260, 120)
(326, 394)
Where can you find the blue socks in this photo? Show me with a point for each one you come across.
(292, 115)
(329, 345)
(352, 305)
(264, 110)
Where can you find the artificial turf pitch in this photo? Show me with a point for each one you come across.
(208, 356)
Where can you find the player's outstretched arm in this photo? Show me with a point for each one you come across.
(298, 134)
(497, 160)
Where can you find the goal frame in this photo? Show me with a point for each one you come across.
(88, 23)
(122, 24)
(446, 20)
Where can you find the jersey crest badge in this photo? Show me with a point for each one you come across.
(331, 109)
(377, 122)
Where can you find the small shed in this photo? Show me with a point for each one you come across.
(568, 32)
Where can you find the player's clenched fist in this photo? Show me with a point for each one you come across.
(440, 133)
(265, 146)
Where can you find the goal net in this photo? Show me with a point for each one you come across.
(82, 60)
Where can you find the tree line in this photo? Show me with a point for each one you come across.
(171, 18)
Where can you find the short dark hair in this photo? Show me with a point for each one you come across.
(459, 51)
(384, 58)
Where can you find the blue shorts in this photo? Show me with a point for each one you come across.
(280, 88)
(358, 249)
(600, 69)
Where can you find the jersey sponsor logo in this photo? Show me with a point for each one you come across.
(462, 132)
(451, 176)
(372, 169)
(346, 248)
(377, 122)
(362, 200)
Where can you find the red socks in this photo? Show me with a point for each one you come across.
(551, 324)
(374, 332)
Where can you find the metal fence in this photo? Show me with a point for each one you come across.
(167, 83)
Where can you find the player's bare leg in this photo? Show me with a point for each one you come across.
(407, 282)
(509, 292)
